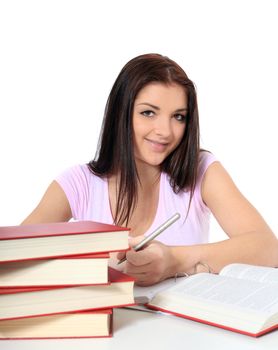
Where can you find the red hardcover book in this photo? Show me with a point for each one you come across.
(219, 325)
(60, 239)
(241, 298)
(41, 301)
(85, 324)
(66, 271)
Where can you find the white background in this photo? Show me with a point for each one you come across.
(59, 59)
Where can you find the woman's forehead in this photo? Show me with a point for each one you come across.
(157, 93)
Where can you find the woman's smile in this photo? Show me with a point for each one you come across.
(157, 146)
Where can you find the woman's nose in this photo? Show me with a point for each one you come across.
(163, 126)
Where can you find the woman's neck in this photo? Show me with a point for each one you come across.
(148, 175)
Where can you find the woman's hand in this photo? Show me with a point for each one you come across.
(152, 264)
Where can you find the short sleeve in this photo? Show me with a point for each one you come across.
(74, 182)
(205, 160)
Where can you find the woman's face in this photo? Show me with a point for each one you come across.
(159, 121)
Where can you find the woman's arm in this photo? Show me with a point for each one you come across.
(53, 207)
(250, 239)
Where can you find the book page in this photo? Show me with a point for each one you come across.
(226, 290)
(251, 272)
(143, 295)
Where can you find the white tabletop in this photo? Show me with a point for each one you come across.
(139, 330)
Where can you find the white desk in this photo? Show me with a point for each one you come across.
(137, 330)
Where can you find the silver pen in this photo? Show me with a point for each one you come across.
(154, 234)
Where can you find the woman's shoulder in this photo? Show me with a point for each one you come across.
(79, 173)
(82, 188)
(75, 170)
(206, 158)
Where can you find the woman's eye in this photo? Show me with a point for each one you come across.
(180, 117)
(148, 113)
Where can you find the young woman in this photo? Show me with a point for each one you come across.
(148, 167)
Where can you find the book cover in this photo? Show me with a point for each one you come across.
(219, 325)
(56, 229)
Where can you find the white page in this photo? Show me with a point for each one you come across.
(251, 272)
(243, 271)
(144, 295)
(252, 295)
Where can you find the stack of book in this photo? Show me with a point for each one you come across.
(55, 281)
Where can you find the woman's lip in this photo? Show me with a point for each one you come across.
(159, 142)
(157, 146)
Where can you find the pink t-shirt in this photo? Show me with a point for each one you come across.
(89, 200)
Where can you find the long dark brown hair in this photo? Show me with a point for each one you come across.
(115, 148)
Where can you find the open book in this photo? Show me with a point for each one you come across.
(242, 298)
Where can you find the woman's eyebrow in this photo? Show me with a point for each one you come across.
(149, 104)
(157, 108)
(182, 110)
